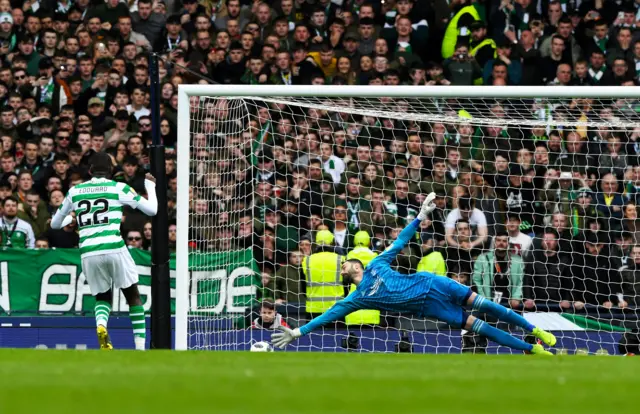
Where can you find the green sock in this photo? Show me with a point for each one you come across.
(136, 313)
(102, 310)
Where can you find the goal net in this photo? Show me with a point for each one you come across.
(536, 209)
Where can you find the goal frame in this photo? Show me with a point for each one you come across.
(329, 91)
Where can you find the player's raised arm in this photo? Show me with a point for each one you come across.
(149, 205)
(407, 233)
(62, 217)
(336, 312)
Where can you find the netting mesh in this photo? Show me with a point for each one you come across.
(536, 209)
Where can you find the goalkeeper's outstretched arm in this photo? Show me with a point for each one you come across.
(403, 238)
(408, 232)
(336, 312)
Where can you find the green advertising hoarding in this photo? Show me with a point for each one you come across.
(51, 281)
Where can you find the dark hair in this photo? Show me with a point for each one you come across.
(501, 233)
(131, 160)
(347, 279)
(267, 304)
(355, 261)
(10, 198)
(462, 221)
(565, 19)
(465, 203)
(101, 164)
(42, 238)
(75, 148)
(61, 156)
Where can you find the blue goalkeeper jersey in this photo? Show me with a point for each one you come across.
(382, 287)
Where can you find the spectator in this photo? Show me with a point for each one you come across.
(630, 275)
(614, 159)
(519, 242)
(317, 268)
(609, 201)
(476, 218)
(146, 236)
(266, 291)
(572, 50)
(462, 256)
(288, 280)
(498, 274)
(172, 237)
(134, 239)
(14, 232)
(147, 22)
(548, 276)
(34, 212)
(482, 47)
(269, 318)
(42, 243)
(582, 210)
(462, 68)
(596, 282)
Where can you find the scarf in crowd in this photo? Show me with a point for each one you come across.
(597, 74)
(262, 138)
(602, 43)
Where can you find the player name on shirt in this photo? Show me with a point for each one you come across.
(92, 190)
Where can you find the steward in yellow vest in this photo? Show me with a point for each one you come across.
(481, 47)
(458, 26)
(322, 275)
(433, 262)
(362, 252)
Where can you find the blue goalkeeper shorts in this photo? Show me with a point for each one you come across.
(446, 300)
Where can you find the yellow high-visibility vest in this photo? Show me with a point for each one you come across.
(433, 263)
(324, 282)
(363, 316)
(452, 31)
(485, 42)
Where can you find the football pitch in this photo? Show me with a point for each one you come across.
(40, 381)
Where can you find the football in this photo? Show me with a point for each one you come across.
(261, 347)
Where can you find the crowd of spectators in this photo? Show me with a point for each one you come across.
(529, 214)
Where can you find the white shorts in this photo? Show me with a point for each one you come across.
(105, 271)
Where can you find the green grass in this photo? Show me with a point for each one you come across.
(37, 381)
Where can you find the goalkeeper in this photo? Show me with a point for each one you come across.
(421, 294)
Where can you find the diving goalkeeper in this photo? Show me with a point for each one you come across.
(421, 294)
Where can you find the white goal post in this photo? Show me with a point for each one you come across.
(550, 108)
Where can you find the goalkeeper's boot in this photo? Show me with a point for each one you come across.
(103, 338)
(546, 337)
(539, 350)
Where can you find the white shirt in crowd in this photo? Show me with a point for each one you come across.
(520, 244)
(477, 219)
(335, 167)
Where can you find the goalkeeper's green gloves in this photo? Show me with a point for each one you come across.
(285, 336)
(427, 206)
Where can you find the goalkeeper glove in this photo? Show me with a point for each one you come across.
(285, 336)
(427, 207)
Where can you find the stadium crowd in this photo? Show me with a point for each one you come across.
(529, 215)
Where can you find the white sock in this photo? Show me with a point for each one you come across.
(140, 343)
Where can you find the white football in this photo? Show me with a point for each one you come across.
(261, 347)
